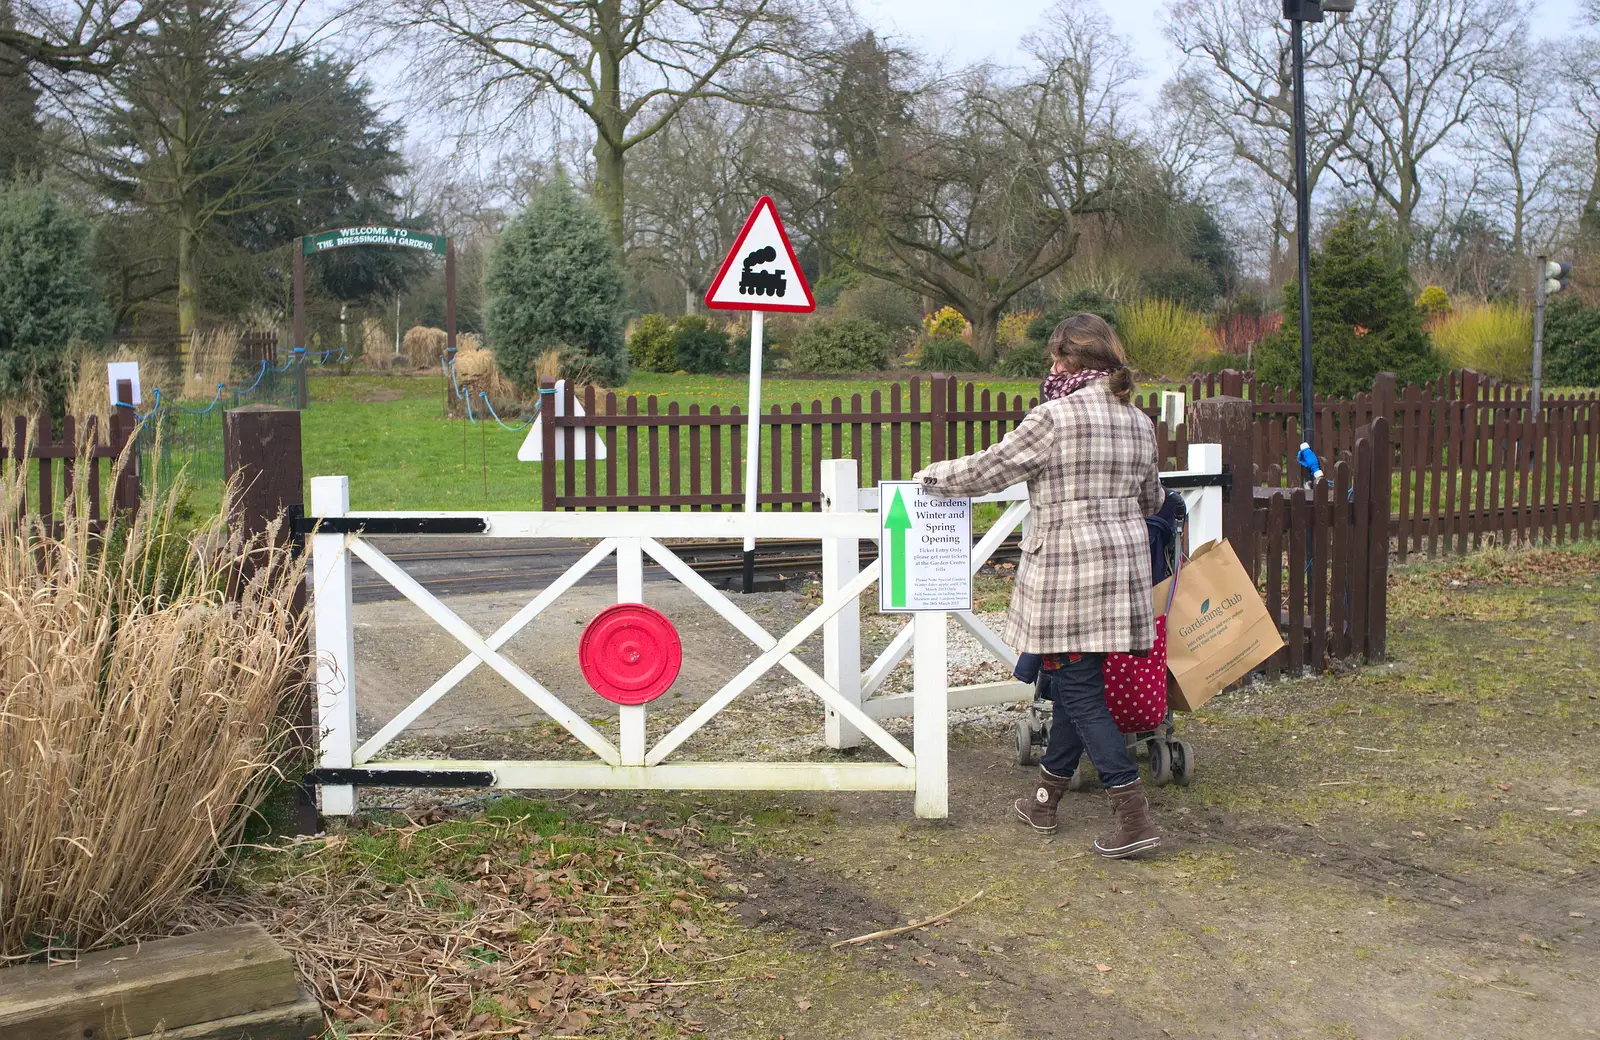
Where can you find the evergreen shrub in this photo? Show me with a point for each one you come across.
(840, 343)
(949, 355)
(1363, 320)
(555, 280)
(50, 303)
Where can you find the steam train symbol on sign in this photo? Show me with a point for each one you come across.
(761, 283)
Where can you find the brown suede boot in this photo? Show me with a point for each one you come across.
(1038, 809)
(1136, 831)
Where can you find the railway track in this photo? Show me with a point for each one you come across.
(458, 571)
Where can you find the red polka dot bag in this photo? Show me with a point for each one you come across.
(1136, 687)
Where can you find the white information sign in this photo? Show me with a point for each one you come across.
(925, 549)
(117, 371)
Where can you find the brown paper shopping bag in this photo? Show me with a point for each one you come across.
(1218, 628)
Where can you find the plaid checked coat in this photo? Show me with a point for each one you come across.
(1083, 583)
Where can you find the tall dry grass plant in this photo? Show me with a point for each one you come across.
(141, 718)
(209, 362)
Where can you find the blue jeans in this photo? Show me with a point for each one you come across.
(1082, 722)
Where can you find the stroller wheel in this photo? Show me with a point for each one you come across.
(1024, 743)
(1182, 762)
(1160, 763)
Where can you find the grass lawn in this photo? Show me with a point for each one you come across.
(388, 434)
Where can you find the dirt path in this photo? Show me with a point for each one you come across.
(1412, 851)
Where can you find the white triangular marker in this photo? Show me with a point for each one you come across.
(761, 272)
(532, 449)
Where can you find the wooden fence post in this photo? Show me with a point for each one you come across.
(125, 482)
(1377, 634)
(938, 404)
(1384, 393)
(1227, 421)
(261, 454)
(547, 444)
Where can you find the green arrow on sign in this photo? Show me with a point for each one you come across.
(897, 523)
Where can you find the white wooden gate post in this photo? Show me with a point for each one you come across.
(930, 720)
(630, 589)
(335, 638)
(1205, 504)
(1172, 411)
(841, 635)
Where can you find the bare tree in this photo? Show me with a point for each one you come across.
(626, 67)
(1514, 140)
(1236, 85)
(76, 36)
(1580, 70)
(988, 189)
(1428, 65)
(689, 191)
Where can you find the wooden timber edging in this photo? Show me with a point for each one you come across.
(226, 982)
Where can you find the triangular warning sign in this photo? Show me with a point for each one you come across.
(761, 272)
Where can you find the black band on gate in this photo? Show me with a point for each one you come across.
(401, 777)
(370, 525)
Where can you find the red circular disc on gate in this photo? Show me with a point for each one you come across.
(630, 653)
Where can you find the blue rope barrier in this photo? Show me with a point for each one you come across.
(510, 429)
(259, 376)
(448, 366)
(215, 398)
(155, 392)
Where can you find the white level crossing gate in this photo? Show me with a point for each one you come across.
(632, 761)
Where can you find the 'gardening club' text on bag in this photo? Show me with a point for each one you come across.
(1217, 628)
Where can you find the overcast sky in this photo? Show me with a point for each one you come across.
(951, 29)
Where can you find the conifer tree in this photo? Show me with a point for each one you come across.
(555, 282)
(1363, 320)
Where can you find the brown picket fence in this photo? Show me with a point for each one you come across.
(1470, 463)
(56, 461)
(1320, 557)
(1473, 464)
(675, 459)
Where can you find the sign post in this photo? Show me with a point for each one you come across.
(925, 550)
(768, 279)
(340, 238)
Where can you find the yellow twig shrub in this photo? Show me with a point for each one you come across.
(945, 323)
(140, 714)
(1162, 338)
(1495, 339)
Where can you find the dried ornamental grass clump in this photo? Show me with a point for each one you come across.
(140, 714)
(424, 346)
(477, 373)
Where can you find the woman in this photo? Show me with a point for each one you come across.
(1083, 584)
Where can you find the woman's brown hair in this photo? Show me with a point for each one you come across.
(1087, 341)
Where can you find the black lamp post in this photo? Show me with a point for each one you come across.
(1298, 12)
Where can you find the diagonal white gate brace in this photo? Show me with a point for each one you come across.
(630, 537)
(468, 636)
(502, 635)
